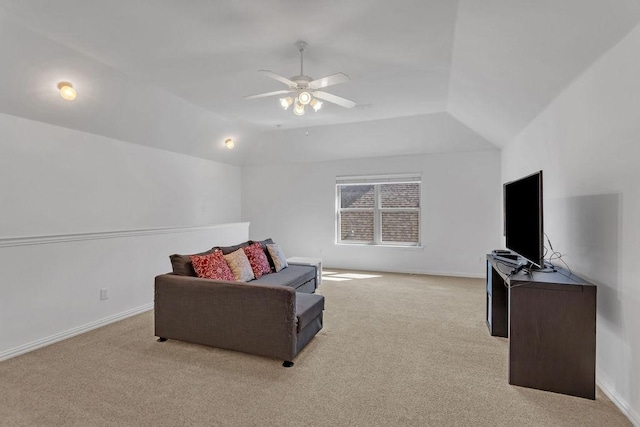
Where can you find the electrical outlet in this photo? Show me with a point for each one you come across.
(104, 294)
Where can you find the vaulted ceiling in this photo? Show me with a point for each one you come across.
(172, 74)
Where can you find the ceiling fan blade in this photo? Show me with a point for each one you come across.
(331, 80)
(278, 77)
(264, 95)
(343, 102)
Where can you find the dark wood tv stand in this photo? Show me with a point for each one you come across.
(550, 320)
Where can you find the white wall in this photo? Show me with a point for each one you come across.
(587, 143)
(461, 206)
(401, 136)
(55, 180)
(95, 194)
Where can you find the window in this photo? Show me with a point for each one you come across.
(378, 210)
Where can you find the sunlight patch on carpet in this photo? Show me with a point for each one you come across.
(357, 276)
(341, 277)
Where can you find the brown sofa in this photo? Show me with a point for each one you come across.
(274, 316)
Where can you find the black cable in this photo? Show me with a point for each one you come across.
(498, 263)
(548, 240)
(556, 255)
(517, 269)
(525, 269)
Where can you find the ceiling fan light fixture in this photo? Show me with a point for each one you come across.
(305, 88)
(298, 110)
(304, 97)
(316, 105)
(286, 102)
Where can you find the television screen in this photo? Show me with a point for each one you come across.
(523, 222)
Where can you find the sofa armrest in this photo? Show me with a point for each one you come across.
(315, 274)
(257, 319)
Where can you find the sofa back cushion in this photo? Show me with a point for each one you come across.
(228, 249)
(182, 265)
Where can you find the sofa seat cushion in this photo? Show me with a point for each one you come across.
(292, 276)
(308, 307)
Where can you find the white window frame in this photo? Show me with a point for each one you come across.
(378, 210)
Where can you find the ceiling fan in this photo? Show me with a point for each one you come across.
(305, 88)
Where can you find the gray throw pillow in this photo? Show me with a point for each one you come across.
(278, 256)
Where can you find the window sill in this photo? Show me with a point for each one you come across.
(411, 248)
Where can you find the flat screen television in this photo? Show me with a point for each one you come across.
(523, 218)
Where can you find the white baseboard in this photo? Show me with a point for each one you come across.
(13, 352)
(624, 407)
(413, 271)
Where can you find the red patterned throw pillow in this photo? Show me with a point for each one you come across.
(212, 266)
(257, 259)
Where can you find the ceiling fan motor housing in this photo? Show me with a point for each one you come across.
(302, 82)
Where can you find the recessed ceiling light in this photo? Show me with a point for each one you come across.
(229, 143)
(67, 91)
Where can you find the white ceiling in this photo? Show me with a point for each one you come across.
(511, 58)
(172, 74)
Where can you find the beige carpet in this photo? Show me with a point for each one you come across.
(395, 350)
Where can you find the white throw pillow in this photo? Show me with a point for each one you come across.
(240, 266)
